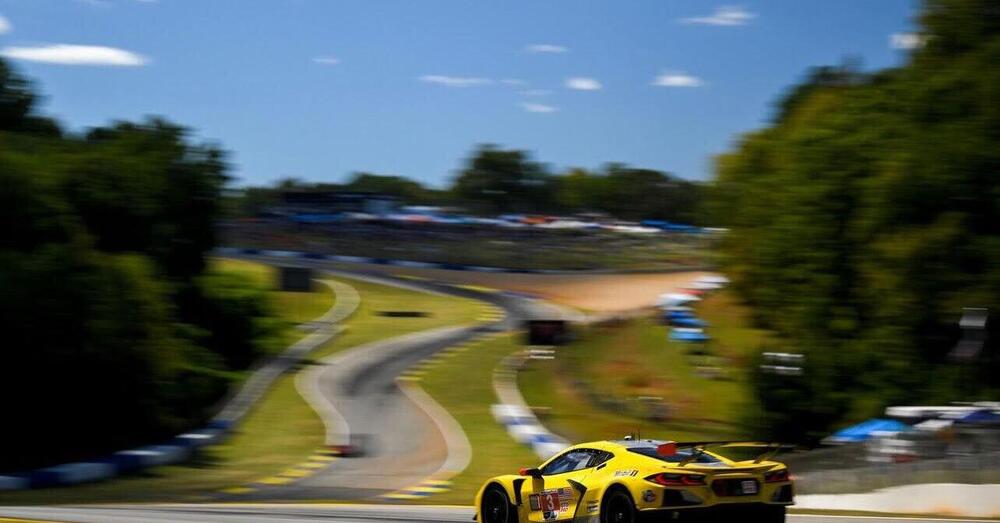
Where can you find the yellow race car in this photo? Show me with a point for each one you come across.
(643, 480)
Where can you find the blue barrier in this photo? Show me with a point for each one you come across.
(688, 322)
(13, 483)
(692, 337)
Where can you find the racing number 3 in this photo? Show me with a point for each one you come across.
(549, 501)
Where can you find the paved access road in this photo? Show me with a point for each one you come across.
(312, 513)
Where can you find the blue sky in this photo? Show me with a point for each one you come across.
(318, 89)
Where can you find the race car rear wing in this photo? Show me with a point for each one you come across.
(769, 449)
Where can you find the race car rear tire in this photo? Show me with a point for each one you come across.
(495, 507)
(618, 507)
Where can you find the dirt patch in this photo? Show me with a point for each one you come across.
(589, 292)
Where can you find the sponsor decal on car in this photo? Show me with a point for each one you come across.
(628, 473)
(551, 502)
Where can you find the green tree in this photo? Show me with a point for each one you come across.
(648, 194)
(499, 181)
(101, 262)
(580, 190)
(408, 191)
(865, 217)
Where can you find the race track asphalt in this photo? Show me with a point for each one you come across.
(357, 395)
(315, 513)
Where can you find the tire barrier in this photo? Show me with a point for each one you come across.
(515, 415)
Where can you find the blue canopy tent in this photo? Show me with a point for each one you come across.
(863, 431)
(688, 335)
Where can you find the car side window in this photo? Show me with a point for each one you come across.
(600, 457)
(571, 461)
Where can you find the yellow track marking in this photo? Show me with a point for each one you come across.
(237, 490)
(275, 480)
(478, 288)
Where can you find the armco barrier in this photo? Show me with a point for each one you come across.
(13, 483)
(73, 473)
(235, 251)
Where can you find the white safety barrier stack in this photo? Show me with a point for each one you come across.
(200, 438)
(524, 427)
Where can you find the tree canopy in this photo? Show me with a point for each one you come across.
(865, 217)
(498, 181)
(114, 334)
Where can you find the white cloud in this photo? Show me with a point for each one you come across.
(326, 60)
(582, 83)
(5, 26)
(546, 48)
(536, 92)
(538, 108)
(725, 15)
(677, 80)
(517, 82)
(455, 81)
(906, 40)
(66, 54)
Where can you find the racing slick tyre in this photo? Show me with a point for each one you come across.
(495, 507)
(618, 507)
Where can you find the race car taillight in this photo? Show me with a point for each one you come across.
(776, 476)
(678, 480)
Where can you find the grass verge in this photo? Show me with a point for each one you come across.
(592, 390)
(369, 323)
(462, 384)
(291, 308)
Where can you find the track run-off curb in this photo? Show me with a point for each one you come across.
(514, 413)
